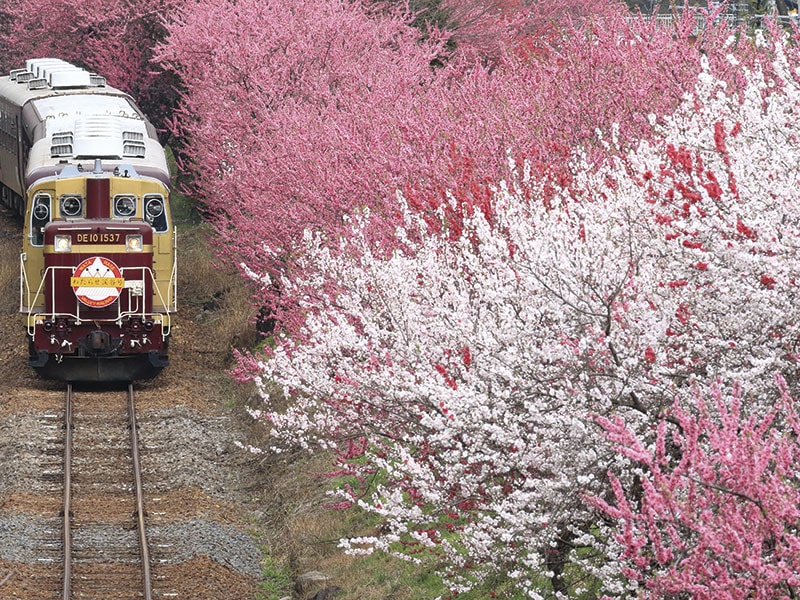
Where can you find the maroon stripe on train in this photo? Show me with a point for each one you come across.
(98, 204)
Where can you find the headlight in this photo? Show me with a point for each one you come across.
(133, 243)
(71, 206)
(63, 243)
(124, 206)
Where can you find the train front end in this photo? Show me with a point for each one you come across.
(98, 277)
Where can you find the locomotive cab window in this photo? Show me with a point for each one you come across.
(40, 216)
(155, 212)
(71, 206)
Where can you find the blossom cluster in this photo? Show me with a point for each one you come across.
(717, 514)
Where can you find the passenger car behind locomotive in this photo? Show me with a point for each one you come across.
(83, 166)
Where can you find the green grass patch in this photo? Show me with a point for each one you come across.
(277, 583)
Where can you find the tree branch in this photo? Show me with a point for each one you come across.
(8, 576)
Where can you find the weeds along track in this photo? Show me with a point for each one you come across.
(104, 545)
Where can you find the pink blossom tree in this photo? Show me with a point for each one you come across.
(481, 30)
(112, 37)
(290, 113)
(458, 377)
(718, 500)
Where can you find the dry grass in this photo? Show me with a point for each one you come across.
(226, 309)
(9, 276)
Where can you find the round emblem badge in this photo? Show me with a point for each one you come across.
(97, 282)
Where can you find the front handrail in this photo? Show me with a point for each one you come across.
(173, 278)
(129, 311)
(24, 285)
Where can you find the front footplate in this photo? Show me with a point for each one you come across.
(98, 368)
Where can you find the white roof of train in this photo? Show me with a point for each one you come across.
(80, 118)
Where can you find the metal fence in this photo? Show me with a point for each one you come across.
(733, 18)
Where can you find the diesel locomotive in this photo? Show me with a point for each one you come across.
(83, 167)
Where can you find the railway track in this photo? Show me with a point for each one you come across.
(105, 551)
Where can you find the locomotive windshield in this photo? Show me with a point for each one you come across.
(40, 216)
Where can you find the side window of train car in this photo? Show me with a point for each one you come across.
(5, 127)
(8, 129)
(40, 216)
(155, 212)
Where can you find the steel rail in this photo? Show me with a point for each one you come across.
(137, 475)
(67, 530)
